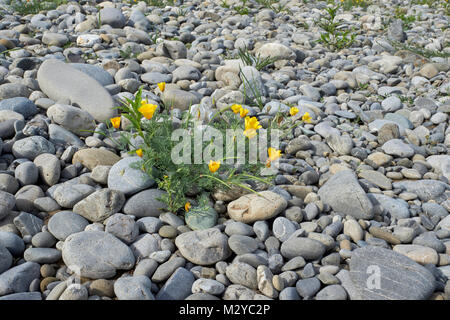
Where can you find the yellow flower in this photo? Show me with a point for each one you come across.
(139, 152)
(251, 125)
(274, 154)
(115, 122)
(162, 86)
(147, 110)
(236, 108)
(187, 206)
(213, 166)
(293, 111)
(306, 117)
(243, 112)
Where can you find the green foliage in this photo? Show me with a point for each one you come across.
(250, 59)
(435, 4)
(274, 5)
(400, 13)
(349, 4)
(335, 37)
(155, 36)
(252, 92)
(158, 3)
(24, 7)
(154, 136)
(425, 53)
(128, 53)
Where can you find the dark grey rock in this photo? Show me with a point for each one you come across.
(6, 259)
(307, 287)
(18, 279)
(344, 194)
(96, 254)
(28, 224)
(178, 286)
(12, 242)
(400, 278)
(307, 248)
(203, 247)
(145, 204)
(332, 292)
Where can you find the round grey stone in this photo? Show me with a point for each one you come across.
(96, 254)
(64, 223)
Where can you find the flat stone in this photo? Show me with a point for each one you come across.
(42, 255)
(210, 286)
(61, 82)
(175, 98)
(21, 105)
(96, 72)
(100, 205)
(23, 296)
(400, 278)
(376, 178)
(6, 259)
(28, 224)
(178, 286)
(145, 204)
(203, 247)
(243, 274)
(12, 242)
(124, 177)
(253, 207)
(426, 190)
(440, 163)
(68, 195)
(420, 254)
(242, 244)
(96, 254)
(397, 208)
(133, 288)
(90, 158)
(76, 120)
(31, 147)
(397, 147)
(19, 278)
(306, 248)
(332, 292)
(64, 223)
(344, 194)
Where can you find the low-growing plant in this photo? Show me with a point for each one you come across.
(349, 4)
(257, 61)
(25, 7)
(154, 36)
(408, 20)
(149, 135)
(275, 5)
(335, 36)
(425, 53)
(128, 53)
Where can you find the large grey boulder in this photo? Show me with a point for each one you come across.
(61, 82)
(382, 274)
(96, 254)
